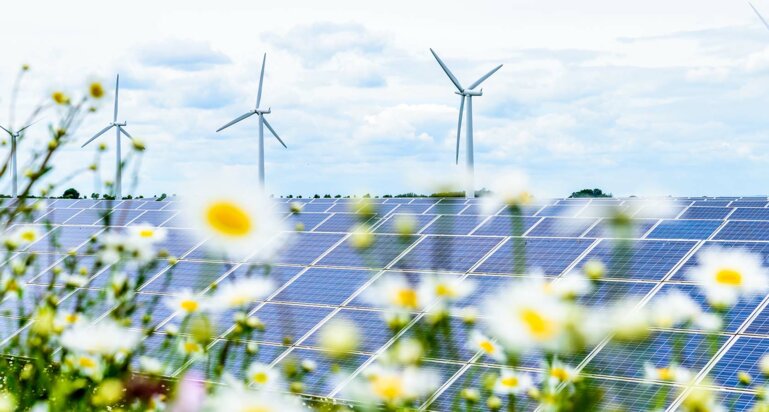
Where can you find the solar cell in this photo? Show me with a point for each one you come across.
(374, 332)
(562, 227)
(565, 210)
(605, 228)
(695, 212)
(552, 256)
(733, 317)
(684, 229)
(452, 225)
(743, 356)
(288, 323)
(381, 253)
(57, 216)
(307, 247)
(750, 213)
(389, 224)
(503, 226)
(324, 286)
(339, 222)
(194, 276)
(454, 253)
(647, 259)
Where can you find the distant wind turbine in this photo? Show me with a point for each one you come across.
(759, 15)
(119, 128)
(257, 110)
(14, 136)
(466, 94)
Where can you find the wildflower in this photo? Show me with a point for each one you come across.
(702, 400)
(295, 207)
(594, 269)
(725, 275)
(408, 351)
(7, 402)
(405, 225)
(744, 378)
(263, 376)
(674, 308)
(235, 223)
(479, 342)
(191, 349)
(60, 98)
(442, 290)
(145, 233)
(558, 372)
(238, 398)
(763, 365)
(241, 292)
(361, 237)
(65, 319)
(394, 386)
(88, 365)
(74, 281)
(151, 365)
(510, 190)
(394, 292)
(309, 365)
(339, 337)
(494, 403)
(468, 314)
(108, 392)
(672, 373)
(510, 382)
(570, 286)
(96, 90)
(525, 316)
(138, 144)
(25, 235)
(104, 338)
(185, 301)
(471, 395)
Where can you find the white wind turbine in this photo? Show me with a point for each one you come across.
(466, 94)
(257, 110)
(759, 15)
(119, 128)
(14, 137)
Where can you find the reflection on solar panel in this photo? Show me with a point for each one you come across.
(320, 277)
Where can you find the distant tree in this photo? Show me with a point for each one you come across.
(71, 193)
(162, 197)
(590, 193)
(327, 196)
(338, 196)
(299, 196)
(128, 197)
(387, 196)
(367, 196)
(448, 194)
(290, 197)
(94, 196)
(317, 196)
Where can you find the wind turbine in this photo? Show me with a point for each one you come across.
(14, 136)
(466, 94)
(257, 110)
(759, 15)
(119, 128)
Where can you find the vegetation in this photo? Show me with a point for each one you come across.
(590, 193)
(71, 193)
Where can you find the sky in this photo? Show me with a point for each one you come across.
(635, 98)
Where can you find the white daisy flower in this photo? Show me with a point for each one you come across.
(480, 342)
(726, 275)
(558, 372)
(150, 365)
(234, 222)
(509, 190)
(571, 285)
(393, 386)
(510, 382)
(524, 316)
(393, 292)
(144, 233)
(88, 365)
(191, 349)
(74, 280)
(241, 292)
(443, 290)
(24, 235)
(263, 376)
(672, 373)
(65, 319)
(673, 309)
(104, 338)
(186, 302)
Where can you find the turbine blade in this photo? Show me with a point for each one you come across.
(759, 15)
(459, 124)
(104, 130)
(125, 132)
(117, 84)
(261, 79)
(27, 126)
(446, 69)
(6, 130)
(249, 114)
(266, 123)
(484, 77)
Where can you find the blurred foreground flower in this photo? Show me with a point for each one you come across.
(726, 275)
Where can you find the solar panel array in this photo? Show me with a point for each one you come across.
(322, 277)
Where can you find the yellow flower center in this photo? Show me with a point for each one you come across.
(406, 298)
(229, 219)
(444, 290)
(256, 408)
(665, 374)
(191, 347)
(96, 90)
(388, 388)
(559, 373)
(146, 233)
(28, 236)
(189, 305)
(86, 362)
(538, 325)
(729, 277)
(71, 318)
(510, 381)
(261, 378)
(487, 346)
(60, 98)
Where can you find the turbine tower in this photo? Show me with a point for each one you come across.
(466, 94)
(14, 137)
(119, 129)
(257, 110)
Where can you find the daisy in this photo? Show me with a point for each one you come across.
(151, 365)
(238, 398)
(186, 302)
(191, 349)
(24, 235)
(263, 376)
(235, 223)
(672, 373)
(241, 292)
(726, 275)
(479, 342)
(339, 337)
(673, 309)
(87, 365)
(558, 372)
(509, 190)
(393, 291)
(570, 286)
(144, 233)
(524, 316)
(394, 386)
(105, 338)
(74, 281)
(510, 382)
(443, 290)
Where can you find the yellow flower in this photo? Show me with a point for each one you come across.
(96, 90)
(60, 98)
(339, 337)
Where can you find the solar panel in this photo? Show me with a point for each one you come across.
(452, 225)
(384, 249)
(684, 229)
(696, 212)
(744, 230)
(552, 256)
(750, 213)
(454, 253)
(648, 259)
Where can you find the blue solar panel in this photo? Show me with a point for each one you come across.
(503, 226)
(649, 260)
(749, 203)
(238, 360)
(627, 360)
(384, 249)
(58, 216)
(446, 208)
(154, 217)
(152, 205)
(561, 227)
(716, 203)
(528, 210)
(607, 291)
(733, 317)
(123, 217)
(695, 212)
(453, 225)
(750, 213)
(316, 386)
(374, 332)
(743, 356)
(179, 241)
(559, 210)
(744, 230)
(288, 323)
(762, 248)
(389, 224)
(324, 286)
(306, 247)
(684, 229)
(306, 221)
(449, 399)
(552, 256)
(195, 276)
(315, 207)
(456, 253)
(339, 222)
(605, 229)
(413, 208)
(66, 237)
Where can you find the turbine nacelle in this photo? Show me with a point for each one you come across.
(119, 124)
(466, 92)
(263, 111)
